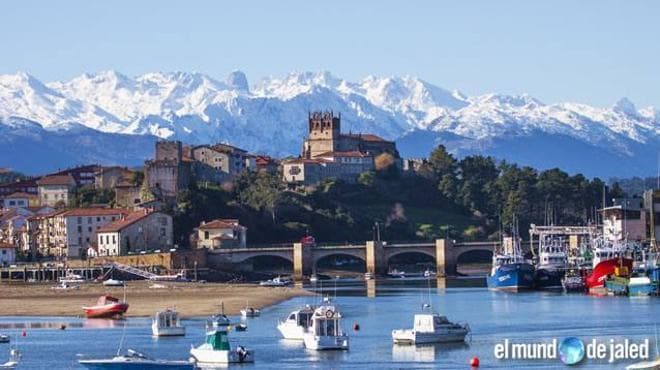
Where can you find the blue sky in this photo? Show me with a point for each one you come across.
(587, 51)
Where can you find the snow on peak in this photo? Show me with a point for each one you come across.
(625, 106)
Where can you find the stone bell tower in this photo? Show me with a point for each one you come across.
(324, 129)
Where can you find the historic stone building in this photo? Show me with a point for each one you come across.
(169, 172)
(325, 136)
(327, 153)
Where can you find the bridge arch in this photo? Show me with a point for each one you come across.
(246, 257)
(353, 261)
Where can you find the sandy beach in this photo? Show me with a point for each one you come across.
(190, 299)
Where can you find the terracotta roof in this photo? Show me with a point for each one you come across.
(124, 222)
(20, 194)
(304, 160)
(95, 211)
(56, 180)
(221, 223)
(366, 137)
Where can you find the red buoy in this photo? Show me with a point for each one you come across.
(356, 327)
(24, 333)
(474, 362)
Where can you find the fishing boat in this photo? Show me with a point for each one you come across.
(14, 358)
(276, 282)
(325, 331)
(106, 307)
(511, 271)
(134, 360)
(297, 323)
(167, 324)
(217, 351)
(430, 327)
(609, 257)
(552, 262)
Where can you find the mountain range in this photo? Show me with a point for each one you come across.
(109, 118)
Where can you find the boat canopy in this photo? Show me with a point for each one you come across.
(106, 299)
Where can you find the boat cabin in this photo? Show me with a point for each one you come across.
(302, 318)
(106, 299)
(427, 323)
(325, 322)
(167, 319)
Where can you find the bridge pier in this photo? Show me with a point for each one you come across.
(376, 260)
(302, 261)
(444, 257)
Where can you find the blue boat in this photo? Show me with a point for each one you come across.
(511, 273)
(552, 263)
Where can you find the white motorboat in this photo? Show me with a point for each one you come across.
(217, 351)
(429, 327)
(645, 365)
(14, 357)
(276, 282)
(72, 278)
(429, 273)
(297, 323)
(113, 282)
(134, 360)
(314, 278)
(4, 338)
(368, 276)
(325, 332)
(63, 285)
(167, 324)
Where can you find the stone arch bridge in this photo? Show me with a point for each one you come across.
(375, 254)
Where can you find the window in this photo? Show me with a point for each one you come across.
(79, 220)
(98, 219)
(113, 240)
(206, 235)
(162, 231)
(89, 220)
(79, 229)
(89, 229)
(11, 203)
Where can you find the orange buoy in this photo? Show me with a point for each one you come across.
(356, 327)
(474, 362)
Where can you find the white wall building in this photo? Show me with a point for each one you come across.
(138, 231)
(75, 229)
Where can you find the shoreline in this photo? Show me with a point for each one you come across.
(189, 299)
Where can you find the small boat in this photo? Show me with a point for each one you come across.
(276, 282)
(106, 307)
(297, 323)
(314, 278)
(429, 327)
(63, 285)
(113, 282)
(325, 331)
(4, 338)
(167, 324)
(217, 351)
(240, 327)
(14, 357)
(429, 273)
(249, 311)
(134, 360)
(573, 283)
(368, 276)
(397, 274)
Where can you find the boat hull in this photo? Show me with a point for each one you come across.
(512, 277)
(106, 311)
(548, 279)
(321, 343)
(407, 336)
(172, 331)
(204, 356)
(604, 268)
(133, 364)
(291, 331)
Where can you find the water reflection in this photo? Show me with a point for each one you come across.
(423, 352)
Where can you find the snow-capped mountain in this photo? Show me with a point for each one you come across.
(270, 116)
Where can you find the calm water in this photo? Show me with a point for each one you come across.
(524, 317)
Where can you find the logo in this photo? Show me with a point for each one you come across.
(571, 350)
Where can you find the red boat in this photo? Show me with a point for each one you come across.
(607, 267)
(106, 307)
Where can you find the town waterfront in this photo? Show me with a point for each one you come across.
(525, 317)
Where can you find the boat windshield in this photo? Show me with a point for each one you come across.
(304, 319)
(219, 341)
(327, 327)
